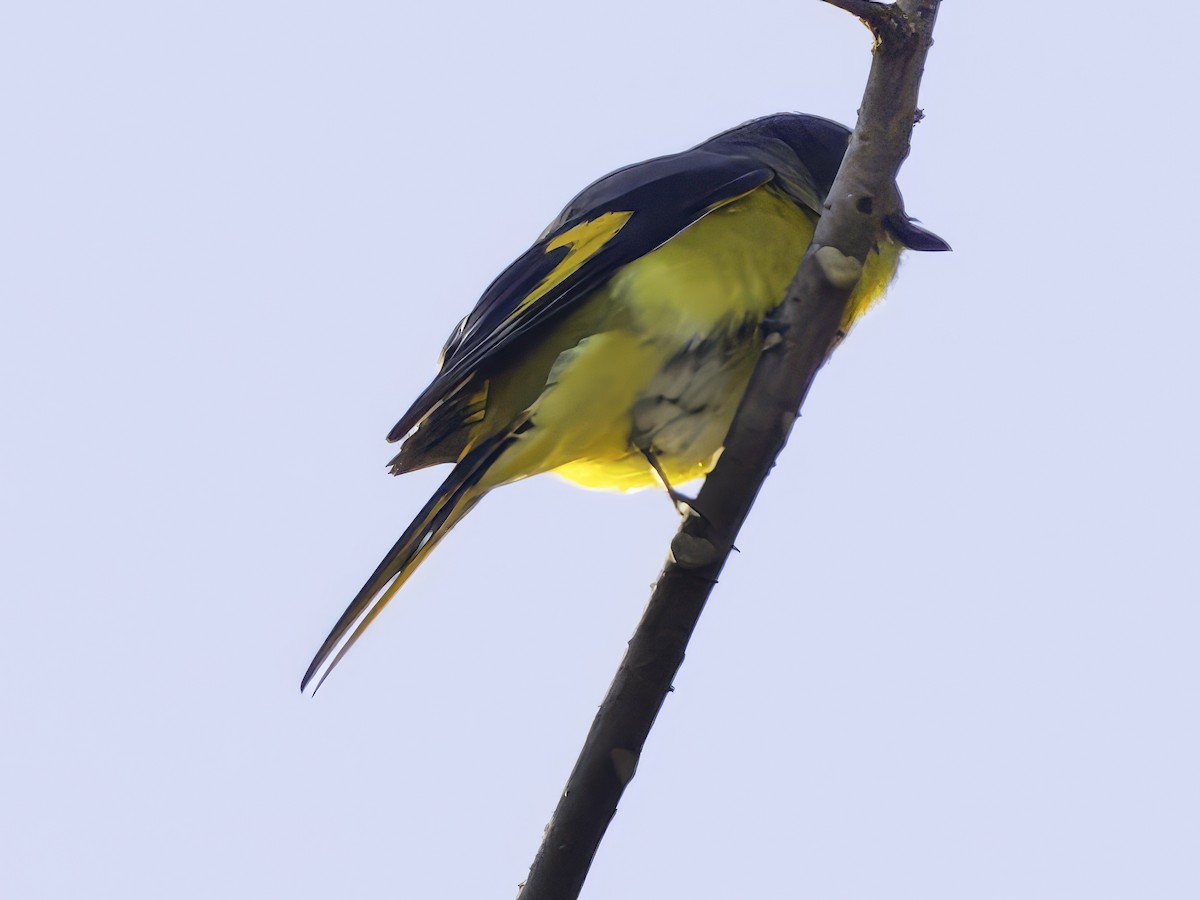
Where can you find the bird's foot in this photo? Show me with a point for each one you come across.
(684, 505)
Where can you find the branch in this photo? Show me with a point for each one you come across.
(805, 332)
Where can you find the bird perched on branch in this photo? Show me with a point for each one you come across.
(616, 349)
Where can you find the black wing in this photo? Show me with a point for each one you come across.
(621, 217)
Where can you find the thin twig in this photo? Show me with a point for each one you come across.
(862, 195)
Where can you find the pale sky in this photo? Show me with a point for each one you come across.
(957, 655)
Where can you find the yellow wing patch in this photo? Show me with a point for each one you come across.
(584, 241)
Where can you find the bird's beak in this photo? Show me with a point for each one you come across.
(912, 235)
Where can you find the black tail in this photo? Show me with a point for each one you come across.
(453, 500)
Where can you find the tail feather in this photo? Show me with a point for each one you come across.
(453, 500)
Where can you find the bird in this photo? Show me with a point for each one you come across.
(615, 350)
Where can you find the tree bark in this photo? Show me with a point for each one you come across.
(802, 333)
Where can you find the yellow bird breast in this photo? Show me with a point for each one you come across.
(657, 360)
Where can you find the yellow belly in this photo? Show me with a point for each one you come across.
(660, 356)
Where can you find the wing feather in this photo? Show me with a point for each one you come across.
(616, 220)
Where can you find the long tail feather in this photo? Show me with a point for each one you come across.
(453, 500)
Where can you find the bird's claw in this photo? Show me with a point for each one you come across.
(684, 505)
